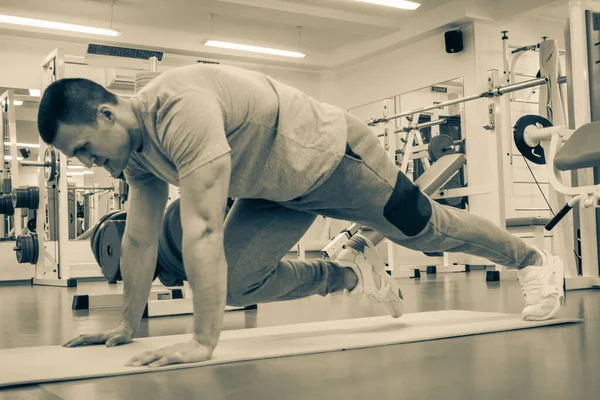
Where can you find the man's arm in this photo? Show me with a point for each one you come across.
(139, 247)
(203, 199)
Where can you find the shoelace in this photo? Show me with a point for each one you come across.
(531, 286)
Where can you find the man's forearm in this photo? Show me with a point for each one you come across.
(206, 269)
(138, 263)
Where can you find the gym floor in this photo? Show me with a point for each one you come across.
(561, 362)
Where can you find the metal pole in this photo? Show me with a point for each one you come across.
(90, 188)
(423, 109)
(499, 91)
(153, 64)
(33, 164)
(429, 124)
(526, 48)
(515, 87)
(419, 126)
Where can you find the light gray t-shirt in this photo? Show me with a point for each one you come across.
(283, 143)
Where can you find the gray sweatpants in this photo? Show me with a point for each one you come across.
(367, 188)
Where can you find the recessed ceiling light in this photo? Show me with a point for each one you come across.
(61, 26)
(405, 5)
(253, 49)
(36, 145)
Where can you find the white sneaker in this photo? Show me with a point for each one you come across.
(373, 281)
(542, 287)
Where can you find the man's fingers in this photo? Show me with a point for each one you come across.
(84, 339)
(175, 358)
(145, 358)
(115, 341)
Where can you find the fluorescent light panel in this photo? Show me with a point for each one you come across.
(35, 92)
(18, 102)
(10, 158)
(405, 5)
(36, 145)
(75, 166)
(61, 26)
(70, 173)
(253, 49)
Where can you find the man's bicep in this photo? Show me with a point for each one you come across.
(204, 197)
(146, 208)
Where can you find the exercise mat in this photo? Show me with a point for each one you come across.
(29, 365)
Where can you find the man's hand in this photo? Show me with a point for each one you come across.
(114, 337)
(190, 352)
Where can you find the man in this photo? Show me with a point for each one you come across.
(218, 131)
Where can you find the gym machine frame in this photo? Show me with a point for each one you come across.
(7, 102)
(493, 94)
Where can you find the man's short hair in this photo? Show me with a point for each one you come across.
(70, 101)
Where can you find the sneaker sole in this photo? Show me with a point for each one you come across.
(393, 304)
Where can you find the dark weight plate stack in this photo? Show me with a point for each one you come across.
(110, 249)
(26, 197)
(105, 241)
(170, 242)
(26, 249)
(6, 205)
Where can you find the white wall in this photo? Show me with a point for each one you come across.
(22, 58)
(411, 67)
(420, 64)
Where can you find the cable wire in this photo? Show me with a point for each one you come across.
(538, 185)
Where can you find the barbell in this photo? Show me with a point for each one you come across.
(49, 164)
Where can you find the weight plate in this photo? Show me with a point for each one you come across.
(26, 249)
(20, 197)
(163, 271)
(6, 205)
(36, 248)
(94, 238)
(440, 146)
(34, 198)
(173, 264)
(525, 124)
(110, 236)
(172, 229)
(452, 201)
(32, 225)
(50, 162)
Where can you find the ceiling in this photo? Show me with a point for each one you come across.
(333, 33)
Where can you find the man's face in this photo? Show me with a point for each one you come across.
(106, 144)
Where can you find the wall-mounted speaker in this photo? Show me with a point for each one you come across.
(454, 42)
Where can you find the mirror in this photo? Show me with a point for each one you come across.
(90, 190)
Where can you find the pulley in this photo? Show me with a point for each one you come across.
(525, 125)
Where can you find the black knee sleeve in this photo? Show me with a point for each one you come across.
(407, 208)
